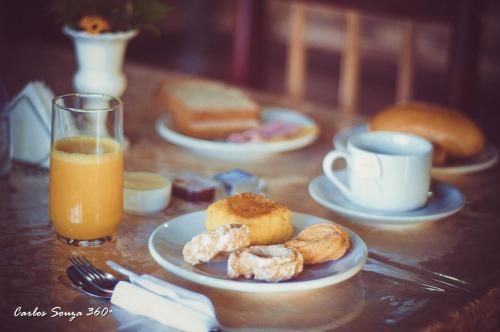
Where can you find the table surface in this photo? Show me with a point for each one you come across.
(33, 261)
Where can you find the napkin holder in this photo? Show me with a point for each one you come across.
(30, 118)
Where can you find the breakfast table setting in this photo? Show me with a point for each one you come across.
(136, 198)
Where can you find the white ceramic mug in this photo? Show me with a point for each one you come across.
(385, 170)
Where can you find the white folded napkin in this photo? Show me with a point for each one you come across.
(162, 309)
(30, 118)
(194, 311)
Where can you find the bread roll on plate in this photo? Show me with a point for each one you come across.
(269, 221)
(452, 134)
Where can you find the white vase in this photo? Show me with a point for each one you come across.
(100, 61)
(100, 69)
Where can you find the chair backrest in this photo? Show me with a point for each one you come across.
(351, 59)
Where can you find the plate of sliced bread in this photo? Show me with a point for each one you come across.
(218, 120)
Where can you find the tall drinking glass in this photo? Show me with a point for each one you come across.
(86, 168)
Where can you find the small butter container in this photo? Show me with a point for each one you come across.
(194, 187)
(238, 181)
(145, 193)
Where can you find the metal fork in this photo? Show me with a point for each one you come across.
(102, 280)
(81, 284)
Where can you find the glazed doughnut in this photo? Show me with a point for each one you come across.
(320, 243)
(206, 246)
(270, 263)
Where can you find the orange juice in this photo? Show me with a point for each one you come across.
(86, 187)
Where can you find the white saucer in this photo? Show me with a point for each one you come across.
(482, 161)
(167, 241)
(445, 201)
(242, 151)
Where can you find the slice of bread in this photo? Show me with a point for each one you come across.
(214, 129)
(207, 109)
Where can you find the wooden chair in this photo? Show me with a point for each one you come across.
(463, 15)
(351, 59)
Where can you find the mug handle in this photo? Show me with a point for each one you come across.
(328, 169)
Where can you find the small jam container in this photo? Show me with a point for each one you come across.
(145, 193)
(194, 187)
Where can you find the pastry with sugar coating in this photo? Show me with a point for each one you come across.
(270, 263)
(206, 246)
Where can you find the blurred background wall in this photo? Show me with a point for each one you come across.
(197, 38)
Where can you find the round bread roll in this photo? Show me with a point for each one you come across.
(269, 221)
(452, 133)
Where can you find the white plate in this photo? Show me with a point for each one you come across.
(481, 161)
(228, 150)
(445, 201)
(167, 241)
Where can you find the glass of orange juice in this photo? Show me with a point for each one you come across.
(86, 168)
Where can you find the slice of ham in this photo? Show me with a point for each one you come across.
(267, 132)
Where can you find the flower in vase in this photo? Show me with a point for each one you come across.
(99, 16)
(94, 24)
